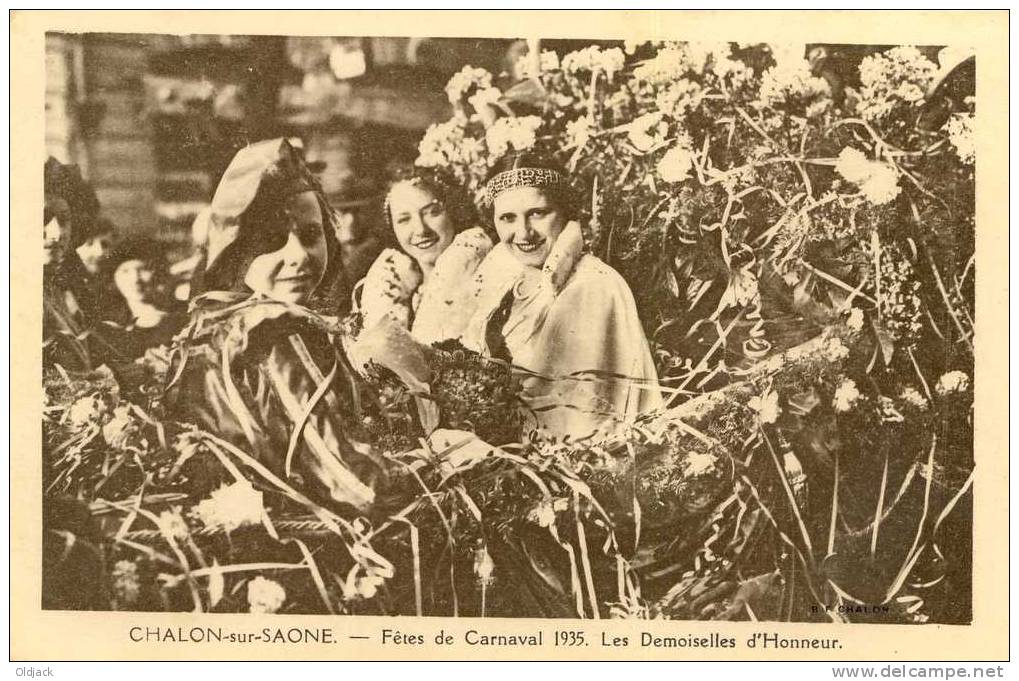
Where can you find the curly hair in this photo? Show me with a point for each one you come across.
(442, 186)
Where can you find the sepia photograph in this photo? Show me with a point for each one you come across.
(534, 327)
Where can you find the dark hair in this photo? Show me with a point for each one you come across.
(563, 195)
(64, 182)
(257, 236)
(149, 251)
(439, 184)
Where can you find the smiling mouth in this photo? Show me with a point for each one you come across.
(528, 246)
(425, 244)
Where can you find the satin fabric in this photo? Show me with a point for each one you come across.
(248, 372)
(573, 326)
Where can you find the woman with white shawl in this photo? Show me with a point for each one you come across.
(563, 316)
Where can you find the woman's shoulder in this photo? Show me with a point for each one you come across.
(592, 270)
(394, 272)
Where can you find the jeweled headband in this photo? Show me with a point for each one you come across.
(523, 177)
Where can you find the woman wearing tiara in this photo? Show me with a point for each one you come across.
(561, 314)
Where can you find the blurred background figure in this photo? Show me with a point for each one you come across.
(96, 246)
(356, 232)
(146, 315)
(70, 300)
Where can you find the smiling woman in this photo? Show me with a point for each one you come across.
(564, 316)
(424, 285)
(255, 362)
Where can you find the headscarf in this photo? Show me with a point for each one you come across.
(245, 218)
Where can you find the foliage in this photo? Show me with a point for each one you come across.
(803, 267)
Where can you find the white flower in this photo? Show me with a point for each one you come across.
(464, 80)
(960, 132)
(172, 525)
(878, 181)
(698, 463)
(788, 55)
(85, 410)
(855, 320)
(126, 587)
(647, 132)
(835, 350)
(883, 184)
(791, 83)
(513, 133)
(231, 506)
(766, 406)
(265, 596)
(484, 566)
(846, 395)
(952, 382)
(544, 513)
(578, 133)
(679, 98)
(913, 397)
(548, 61)
(853, 165)
(482, 98)
(889, 413)
(593, 58)
(118, 429)
(896, 78)
(675, 165)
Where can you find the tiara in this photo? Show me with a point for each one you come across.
(522, 177)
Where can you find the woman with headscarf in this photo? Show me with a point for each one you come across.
(255, 364)
(561, 314)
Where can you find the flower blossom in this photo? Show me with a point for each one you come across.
(592, 59)
(126, 586)
(85, 410)
(578, 133)
(482, 98)
(835, 350)
(118, 429)
(172, 525)
(265, 596)
(516, 133)
(878, 181)
(699, 463)
(766, 406)
(912, 396)
(484, 566)
(231, 506)
(545, 512)
(896, 78)
(952, 382)
(846, 395)
(462, 82)
(791, 84)
(647, 132)
(960, 133)
(675, 165)
(855, 320)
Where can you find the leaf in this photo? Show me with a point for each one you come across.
(802, 403)
(885, 342)
(216, 584)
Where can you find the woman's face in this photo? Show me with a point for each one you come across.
(56, 231)
(293, 272)
(528, 222)
(134, 280)
(423, 227)
(95, 252)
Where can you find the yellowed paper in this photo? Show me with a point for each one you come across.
(38, 634)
